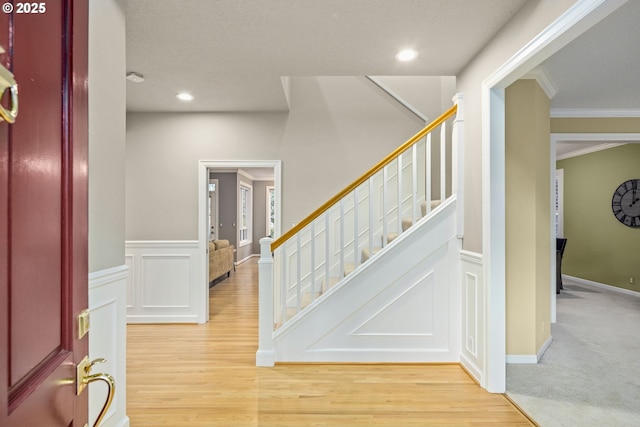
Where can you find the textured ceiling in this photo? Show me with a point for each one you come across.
(231, 53)
(600, 69)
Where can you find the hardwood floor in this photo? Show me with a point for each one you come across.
(205, 375)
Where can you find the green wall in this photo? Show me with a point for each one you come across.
(599, 248)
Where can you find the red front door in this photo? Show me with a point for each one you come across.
(43, 214)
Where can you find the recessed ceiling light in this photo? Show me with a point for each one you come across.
(184, 96)
(406, 55)
(135, 77)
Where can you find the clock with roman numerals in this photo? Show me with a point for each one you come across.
(626, 203)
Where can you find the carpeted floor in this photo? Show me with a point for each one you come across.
(590, 375)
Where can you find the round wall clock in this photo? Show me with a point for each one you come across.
(626, 203)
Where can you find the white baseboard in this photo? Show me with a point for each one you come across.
(522, 359)
(471, 368)
(544, 347)
(601, 285)
(265, 358)
(247, 259)
(123, 422)
(148, 318)
(529, 359)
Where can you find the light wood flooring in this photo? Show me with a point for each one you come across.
(205, 375)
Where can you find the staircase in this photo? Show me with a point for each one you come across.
(371, 275)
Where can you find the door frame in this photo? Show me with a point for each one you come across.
(214, 206)
(610, 140)
(203, 236)
(577, 19)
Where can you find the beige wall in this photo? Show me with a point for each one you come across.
(596, 125)
(337, 128)
(530, 20)
(107, 104)
(528, 210)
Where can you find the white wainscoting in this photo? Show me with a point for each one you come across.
(164, 285)
(107, 339)
(404, 306)
(473, 314)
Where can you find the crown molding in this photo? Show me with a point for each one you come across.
(589, 150)
(540, 75)
(557, 113)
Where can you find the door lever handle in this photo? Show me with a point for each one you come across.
(84, 377)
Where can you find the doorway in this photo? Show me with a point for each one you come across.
(204, 221)
(575, 21)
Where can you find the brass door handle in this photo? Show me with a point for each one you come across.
(84, 378)
(8, 82)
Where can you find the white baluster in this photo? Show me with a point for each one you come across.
(298, 272)
(371, 215)
(355, 227)
(284, 286)
(399, 212)
(341, 238)
(312, 242)
(443, 161)
(384, 206)
(327, 250)
(428, 174)
(414, 183)
(265, 356)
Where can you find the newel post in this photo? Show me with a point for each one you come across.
(265, 356)
(457, 156)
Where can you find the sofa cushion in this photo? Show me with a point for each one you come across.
(221, 244)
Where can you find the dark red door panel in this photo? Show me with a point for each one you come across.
(43, 216)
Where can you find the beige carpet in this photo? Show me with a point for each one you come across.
(590, 375)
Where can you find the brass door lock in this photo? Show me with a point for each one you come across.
(84, 377)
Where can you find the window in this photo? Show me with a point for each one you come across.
(245, 214)
(559, 203)
(271, 211)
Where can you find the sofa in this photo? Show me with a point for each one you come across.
(220, 258)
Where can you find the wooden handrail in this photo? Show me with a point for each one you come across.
(384, 162)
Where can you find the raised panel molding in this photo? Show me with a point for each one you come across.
(107, 339)
(130, 262)
(418, 299)
(473, 314)
(162, 276)
(402, 307)
(164, 285)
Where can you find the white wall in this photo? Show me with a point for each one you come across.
(108, 274)
(422, 92)
(107, 104)
(338, 128)
(163, 150)
(528, 22)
